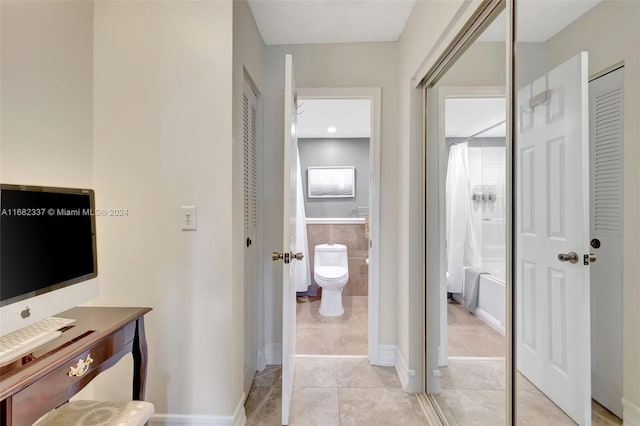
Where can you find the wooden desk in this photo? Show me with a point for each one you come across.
(39, 382)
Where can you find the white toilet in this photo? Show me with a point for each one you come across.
(331, 272)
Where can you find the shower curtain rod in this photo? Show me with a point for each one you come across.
(480, 132)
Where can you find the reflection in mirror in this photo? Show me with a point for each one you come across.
(466, 147)
(571, 98)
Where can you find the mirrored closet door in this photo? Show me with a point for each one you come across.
(466, 240)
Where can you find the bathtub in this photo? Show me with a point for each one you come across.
(491, 302)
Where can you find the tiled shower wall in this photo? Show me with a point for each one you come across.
(354, 237)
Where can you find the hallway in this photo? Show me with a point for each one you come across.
(332, 392)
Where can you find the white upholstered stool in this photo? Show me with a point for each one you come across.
(98, 413)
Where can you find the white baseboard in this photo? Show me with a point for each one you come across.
(261, 360)
(390, 356)
(239, 415)
(334, 220)
(237, 419)
(387, 355)
(273, 353)
(631, 414)
(490, 320)
(408, 378)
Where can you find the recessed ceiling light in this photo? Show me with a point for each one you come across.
(331, 129)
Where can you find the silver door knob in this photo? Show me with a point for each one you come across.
(568, 257)
(297, 256)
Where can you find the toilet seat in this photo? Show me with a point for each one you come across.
(331, 273)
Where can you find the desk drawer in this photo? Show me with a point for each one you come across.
(57, 387)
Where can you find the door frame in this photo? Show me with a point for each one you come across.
(438, 264)
(374, 94)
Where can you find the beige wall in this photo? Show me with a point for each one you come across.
(430, 28)
(46, 101)
(163, 139)
(610, 32)
(332, 65)
(46, 98)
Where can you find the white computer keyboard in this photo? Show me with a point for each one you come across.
(22, 341)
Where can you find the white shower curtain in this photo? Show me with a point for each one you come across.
(462, 247)
(302, 270)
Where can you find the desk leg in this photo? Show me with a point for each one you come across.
(139, 353)
(6, 416)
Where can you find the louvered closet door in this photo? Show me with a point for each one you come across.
(250, 159)
(606, 138)
(250, 183)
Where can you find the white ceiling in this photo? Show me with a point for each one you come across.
(465, 117)
(539, 20)
(352, 21)
(350, 117)
(330, 21)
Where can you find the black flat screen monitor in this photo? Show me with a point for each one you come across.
(47, 240)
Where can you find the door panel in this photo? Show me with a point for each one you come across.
(289, 238)
(553, 304)
(606, 143)
(250, 165)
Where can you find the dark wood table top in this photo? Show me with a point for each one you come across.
(92, 324)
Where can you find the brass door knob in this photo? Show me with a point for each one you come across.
(275, 256)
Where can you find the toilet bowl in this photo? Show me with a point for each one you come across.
(331, 273)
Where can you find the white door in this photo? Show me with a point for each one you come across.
(289, 237)
(552, 216)
(606, 137)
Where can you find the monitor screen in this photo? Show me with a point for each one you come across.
(47, 240)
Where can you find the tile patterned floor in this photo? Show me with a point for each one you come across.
(344, 335)
(334, 392)
(470, 336)
(474, 392)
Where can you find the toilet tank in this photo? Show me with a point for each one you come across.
(330, 255)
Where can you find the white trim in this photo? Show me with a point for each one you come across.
(477, 358)
(332, 356)
(261, 360)
(490, 320)
(387, 355)
(273, 353)
(375, 95)
(408, 378)
(239, 415)
(237, 419)
(631, 415)
(334, 220)
(481, 314)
